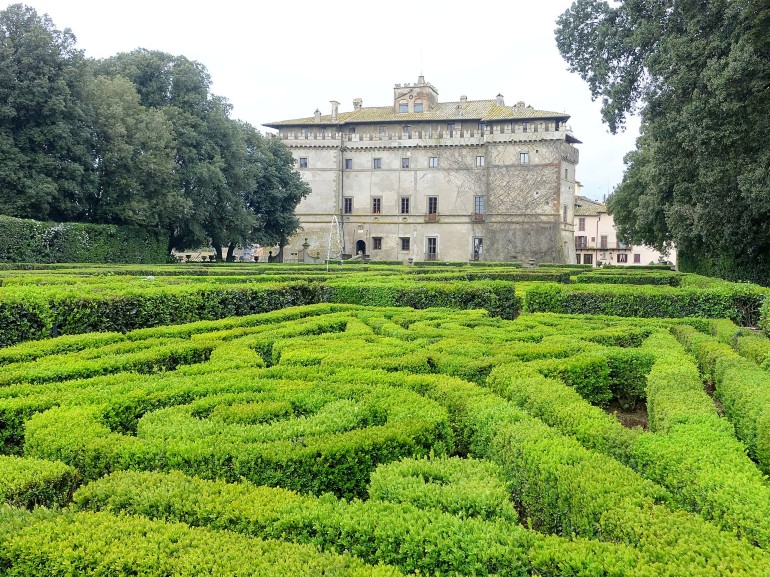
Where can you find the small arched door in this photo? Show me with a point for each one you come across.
(360, 247)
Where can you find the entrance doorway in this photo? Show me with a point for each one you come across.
(360, 247)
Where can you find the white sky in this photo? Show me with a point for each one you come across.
(279, 60)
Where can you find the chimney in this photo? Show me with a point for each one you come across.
(500, 100)
(420, 80)
(463, 98)
(357, 103)
(335, 110)
(317, 116)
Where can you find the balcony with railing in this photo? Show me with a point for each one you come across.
(431, 217)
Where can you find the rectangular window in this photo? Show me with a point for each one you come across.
(352, 130)
(637, 258)
(556, 128)
(348, 163)
(433, 205)
(376, 243)
(404, 205)
(582, 223)
(478, 247)
(376, 163)
(404, 242)
(580, 242)
(304, 132)
(450, 128)
(478, 205)
(603, 241)
(564, 213)
(479, 161)
(403, 107)
(382, 130)
(347, 204)
(525, 127)
(418, 106)
(588, 259)
(566, 173)
(577, 258)
(407, 128)
(376, 205)
(404, 163)
(622, 257)
(432, 252)
(433, 162)
(303, 161)
(524, 157)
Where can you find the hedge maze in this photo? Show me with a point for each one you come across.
(340, 438)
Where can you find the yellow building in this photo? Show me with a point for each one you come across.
(428, 180)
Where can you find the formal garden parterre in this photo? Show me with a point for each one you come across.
(382, 420)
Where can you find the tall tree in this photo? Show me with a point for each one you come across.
(133, 157)
(699, 73)
(240, 187)
(45, 161)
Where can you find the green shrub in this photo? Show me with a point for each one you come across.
(29, 241)
(464, 487)
(105, 544)
(29, 483)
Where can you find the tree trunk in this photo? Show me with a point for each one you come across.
(218, 251)
(230, 252)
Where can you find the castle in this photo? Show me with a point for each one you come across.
(428, 180)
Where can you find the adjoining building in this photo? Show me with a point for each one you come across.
(596, 240)
(428, 180)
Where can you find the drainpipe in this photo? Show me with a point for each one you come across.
(596, 243)
(342, 192)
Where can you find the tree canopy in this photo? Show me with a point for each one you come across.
(135, 139)
(698, 73)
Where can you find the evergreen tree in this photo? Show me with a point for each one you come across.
(699, 74)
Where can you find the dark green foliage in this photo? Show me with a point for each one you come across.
(29, 241)
(698, 73)
(45, 160)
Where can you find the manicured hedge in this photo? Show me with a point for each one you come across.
(331, 444)
(738, 302)
(646, 278)
(34, 482)
(30, 241)
(464, 487)
(105, 544)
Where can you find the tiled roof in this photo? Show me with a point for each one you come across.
(584, 206)
(481, 110)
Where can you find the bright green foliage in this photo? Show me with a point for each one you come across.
(464, 487)
(738, 302)
(105, 544)
(26, 482)
(352, 400)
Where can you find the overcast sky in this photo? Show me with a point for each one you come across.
(282, 60)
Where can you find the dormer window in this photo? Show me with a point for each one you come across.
(403, 107)
(418, 106)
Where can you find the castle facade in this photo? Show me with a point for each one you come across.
(422, 179)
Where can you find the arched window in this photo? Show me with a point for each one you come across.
(418, 106)
(403, 106)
